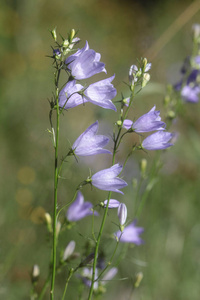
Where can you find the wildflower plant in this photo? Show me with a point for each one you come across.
(77, 65)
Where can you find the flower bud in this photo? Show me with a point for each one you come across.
(54, 35)
(69, 250)
(145, 80)
(65, 43)
(72, 34)
(35, 273)
(119, 123)
(58, 227)
(138, 279)
(122, 215)
(196, 31)
(48, 221)
(143, 167)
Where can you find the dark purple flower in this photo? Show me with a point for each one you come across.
(107, 179)
(158, 141)
(148, 122)
(88, 143)
(85, 63)
(79, 209)
(130, 234)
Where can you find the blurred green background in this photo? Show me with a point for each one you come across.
(121, 31)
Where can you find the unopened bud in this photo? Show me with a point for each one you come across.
(48, 221)
(143, 166)
(72, 34)
(54, 35)
(171, 114)
(138, 279)
(119, 123)
(58, 227)
(65, 43)
(35, 273)
(146, 78)
(196, 31)
(69, 250)
(122, 214)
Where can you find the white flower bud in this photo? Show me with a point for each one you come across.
(69, 250)
(122, 214)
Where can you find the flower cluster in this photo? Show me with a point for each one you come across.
(85, 63)
(189, 85)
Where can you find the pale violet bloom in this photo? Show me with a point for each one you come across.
(99, 93)
(86, 276)
(69, 250)
(79, 209)
(113, 203)
(148, 122)
(84, 63)
(69, 96)
(88, 143)
(122, 213)
(107, 179)
(158, 141)
(109, 275)
(148, 67)
(130, 234)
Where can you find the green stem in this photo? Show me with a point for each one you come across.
(97, 248)
(55, 191)
(66, 285)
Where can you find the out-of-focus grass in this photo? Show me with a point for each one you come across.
(121, 31)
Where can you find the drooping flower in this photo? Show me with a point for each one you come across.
(190, 92)
(122, 213)
(69, 96)
(99, 93)
(86, 277)
(158, 141)
(107, 179)
(148, 122)
(109, 275)
(69, 250)
(84, 63)
(130, 234)
(79, 209)
(88, 143)
(112, 203)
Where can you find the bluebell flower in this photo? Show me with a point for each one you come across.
(113, 203)
(99, 93)
(158, 141)
(79, 209)
(130, 234)
(148, 122)
(84, 63)
(109, 275)
(88, 143)
(107, 179)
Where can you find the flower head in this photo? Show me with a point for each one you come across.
(79, 209)
(130, 234)
(69, 96)
(107, 179)
(88, 143)
(112, 203)
(100, 93)
(158, 141)
(148, 122)
(85, 63)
